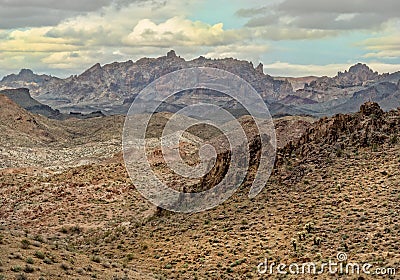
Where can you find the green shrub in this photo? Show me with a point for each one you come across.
(25, 243)
(29, 269)
(40, 255)
(16, 268)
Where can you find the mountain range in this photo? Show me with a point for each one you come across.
(112, 88)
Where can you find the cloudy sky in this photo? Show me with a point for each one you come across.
(291, 37)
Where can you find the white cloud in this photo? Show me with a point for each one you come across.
(250, 52)
(178, 31)
(383, 47)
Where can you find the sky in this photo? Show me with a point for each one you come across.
(290, 37)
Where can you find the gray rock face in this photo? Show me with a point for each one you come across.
(27, 79)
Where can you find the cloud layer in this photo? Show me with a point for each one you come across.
(324, 15)
(49, 35)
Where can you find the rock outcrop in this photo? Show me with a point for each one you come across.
(370, 126)
(326, 138)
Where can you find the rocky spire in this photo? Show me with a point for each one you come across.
(171, 54)
(260, 68)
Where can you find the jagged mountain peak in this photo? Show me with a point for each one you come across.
(26, 72)
(360, 67)
(171, 54)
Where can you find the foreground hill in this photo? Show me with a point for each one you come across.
(22, 97)
(335, 189)
(30, 140)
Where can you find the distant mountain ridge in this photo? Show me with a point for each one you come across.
(348, 90)
(112, 88)
(107, 87)
(27, 79)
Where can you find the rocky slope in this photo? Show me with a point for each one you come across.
(335, 190)
(22, 97)
(371, 127)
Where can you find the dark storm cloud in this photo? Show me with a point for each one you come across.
(325, 15)
(35, 13)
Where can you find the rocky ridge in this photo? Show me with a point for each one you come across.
(107, 87)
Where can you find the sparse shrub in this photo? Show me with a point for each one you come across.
(39, 238)
(76, 229)
(96, 259)
(2, 277)
(309, 227)
(129, 257)
(302, 235)
(64, 230)
(394, 140)
(25, 244)
(40, 255)
(238, 262)
(294, 244)
(30, 260)
(64, 266)
(29, 269)
(345, 247)
(21, 277)
(317, 241)
(47, 261)
(106, 265)
(16, 268)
